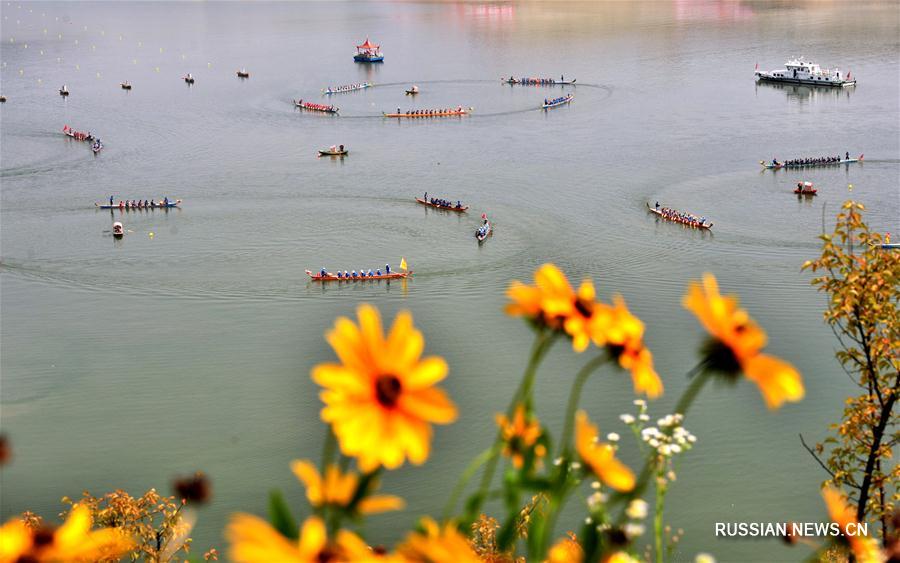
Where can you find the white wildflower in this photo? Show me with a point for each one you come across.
(633, 530)
(627, 418)
(637, 509)
(612, 437)
(704, 558)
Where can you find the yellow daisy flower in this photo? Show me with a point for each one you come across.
(74, 541)
(623, 335)
(338, 489)
(601, 457)
(865, 549)
(381, 399)
(436, 544)
(738, 344)
(253, 540)
(552, 302)
(566, 550)
(520, 435)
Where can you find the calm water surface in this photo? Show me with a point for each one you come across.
(125, 363)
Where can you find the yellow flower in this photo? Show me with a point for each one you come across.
(623, 335)
(552, 302)
(253, 540)
(337, 489)
(619, 557)
(73, 541)
(437, 545)
(566, 550)
(601, 457)
(381, 399)
(865, 549)
(739, 342)
(520, 435)
(15, 540)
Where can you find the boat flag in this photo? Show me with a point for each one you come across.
(484, 215)
(403, 264)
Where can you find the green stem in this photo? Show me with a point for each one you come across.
(328, 450)
(542, 344)
(473, 466)
(658, 518)
(701, 376)
(574, 398)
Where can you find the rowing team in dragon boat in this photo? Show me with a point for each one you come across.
(443, 202)
(347, 88)
(681, 217)
(353, 274)
(316, 107)
(428, 112)
(557, 101)
(813, 161)
(77, 135)
(538, 81)
(138, 204)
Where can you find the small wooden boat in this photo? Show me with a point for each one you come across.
(412, 91)
(329, 276)
(484, 230)
(435, 114)
(811, 164)
(64, 91)
(118, 229)
(97, 146)
(558, 102)
(347, 88)
(538, 81)
(126, 86)
(694, 224)
(243, 74)
(316, 107)
(805, 188)
(121, 206)
(77, 135)
(336, 152)
(462, 209)
(2, 99)
(188, 78)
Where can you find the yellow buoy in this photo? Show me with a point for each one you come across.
(849, 187)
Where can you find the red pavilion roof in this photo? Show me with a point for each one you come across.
(368, 45)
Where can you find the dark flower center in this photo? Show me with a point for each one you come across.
(387, 390)
(719, 357)
(584, 307)
(43, 536)
(327, 555)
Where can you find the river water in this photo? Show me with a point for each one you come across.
(127, 362)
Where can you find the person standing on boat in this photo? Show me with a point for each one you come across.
(387, 269)
(657, 205)
(110, 200)
(847, 155)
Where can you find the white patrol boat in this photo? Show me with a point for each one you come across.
(800, 71)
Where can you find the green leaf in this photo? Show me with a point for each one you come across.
(280, 515)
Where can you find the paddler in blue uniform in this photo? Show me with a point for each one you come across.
(387, 269)
(110, 200)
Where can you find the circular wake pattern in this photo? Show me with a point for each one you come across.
(607, 91)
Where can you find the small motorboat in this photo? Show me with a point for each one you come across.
(805, 188)
(126, 85)
(243, 73)
(334, 151)
(2, 99)
(118, 229)
(485, 230)
(188, 78)
(412, 91)
(64, 91)
(97, 146)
